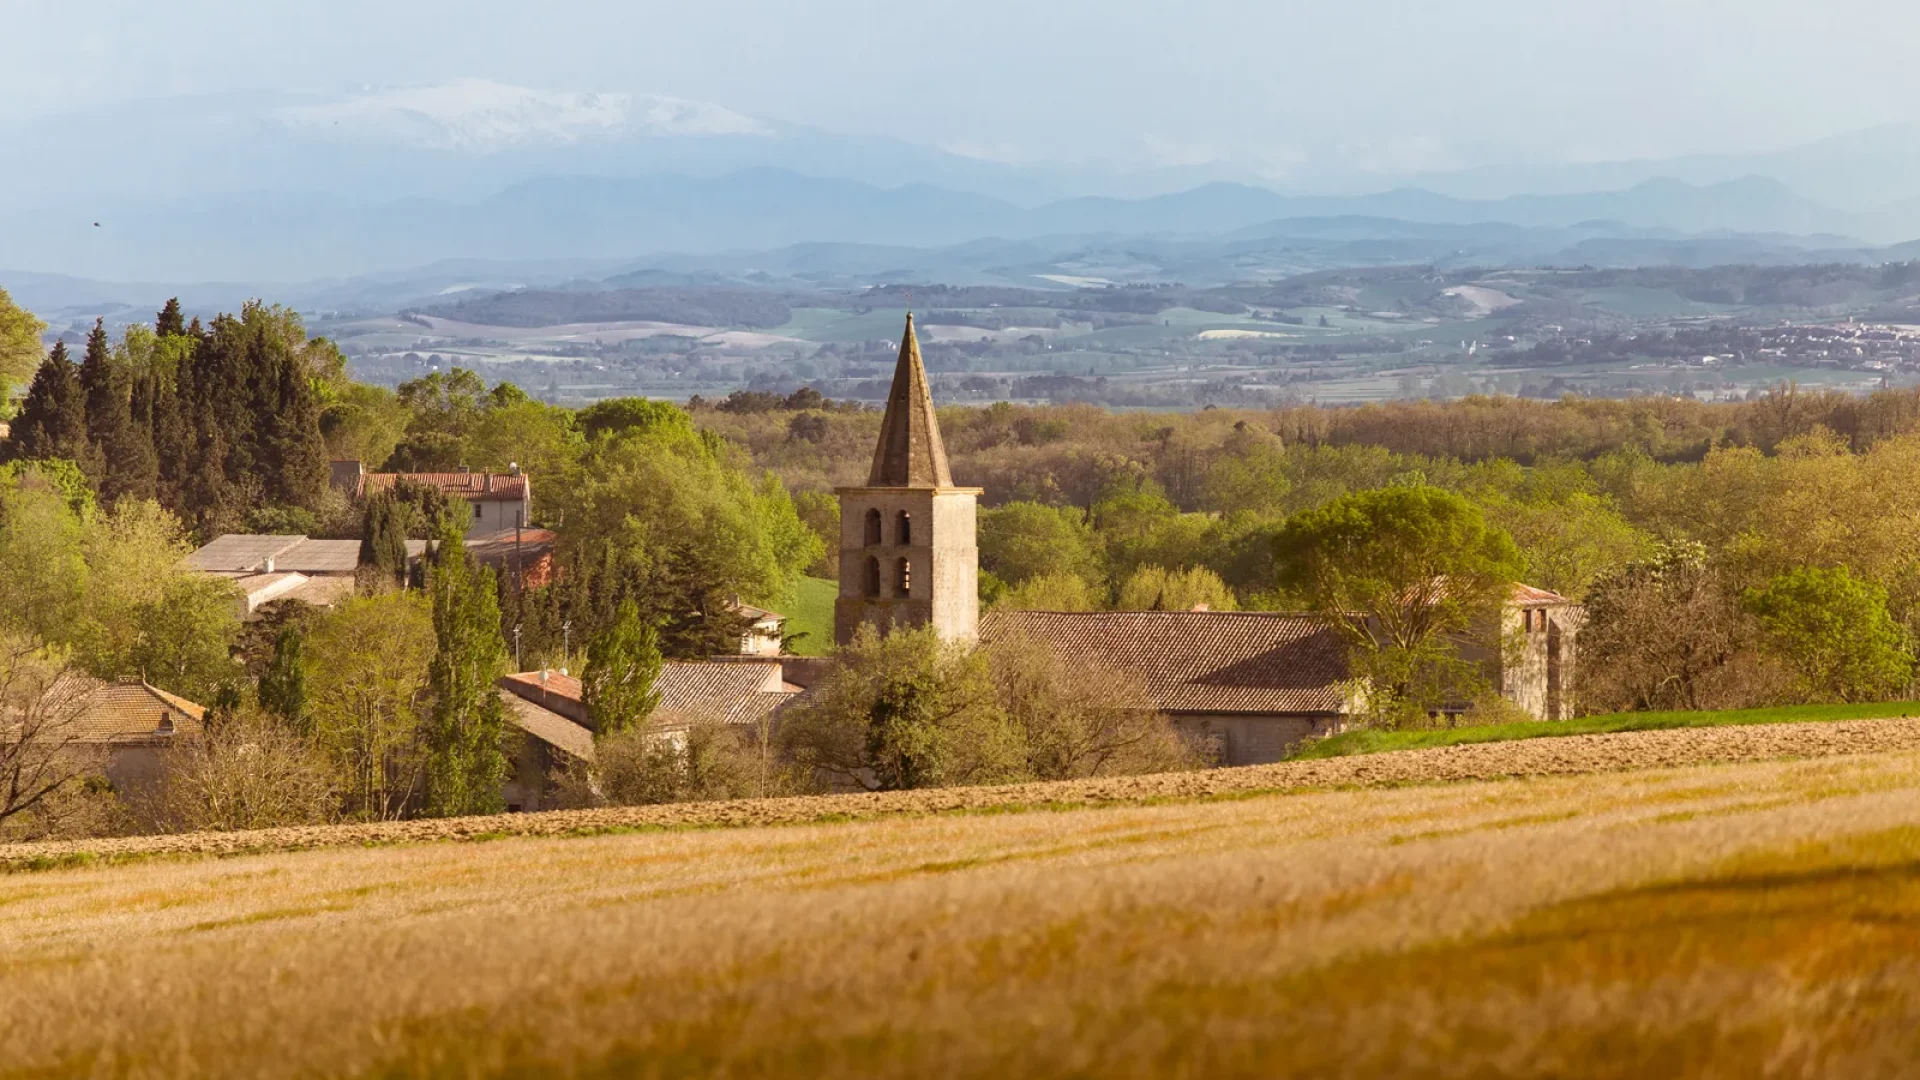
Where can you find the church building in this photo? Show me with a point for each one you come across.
(1248, 685)
(909, 553)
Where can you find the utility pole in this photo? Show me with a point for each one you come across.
(516, 648)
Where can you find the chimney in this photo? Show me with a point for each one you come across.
(464, 470)
(269, 566)
(543, 676)
(486, 482)
(513, 468)
(165, 727)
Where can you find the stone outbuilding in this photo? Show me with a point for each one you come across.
(550, 708)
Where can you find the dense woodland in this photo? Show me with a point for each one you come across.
(1729, 554)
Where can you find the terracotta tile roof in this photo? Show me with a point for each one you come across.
(548, 726)
(1199, 661)
(731, 691)
(501, 545)
(1528, 596)
(471, 486)
(128, 712)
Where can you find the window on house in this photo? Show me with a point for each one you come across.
(873, 576)
(906, 528)
(873, 527)
(903, 579)
(476, 511)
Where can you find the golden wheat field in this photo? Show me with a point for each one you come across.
(1736, 920)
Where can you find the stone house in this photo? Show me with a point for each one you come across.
(549, 707)
(131, 723)
(500, 502)
(266, 568)
(523, 558)
(1247, 685)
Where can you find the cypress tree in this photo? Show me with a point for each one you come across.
(292, 449)
(172, 440)
(283, 686)
(383, 540)
(53, 419)
(168, 322)
(465, 765)
(133, 470)
(106, 408)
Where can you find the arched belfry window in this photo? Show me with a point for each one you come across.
(905, 528)
(903, 579)
(873, 527)
(873, 576)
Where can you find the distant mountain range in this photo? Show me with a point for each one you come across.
(343, 189)
(301, 237)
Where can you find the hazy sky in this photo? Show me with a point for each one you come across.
(1413, 83)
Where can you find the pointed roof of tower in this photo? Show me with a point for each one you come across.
(910, 453)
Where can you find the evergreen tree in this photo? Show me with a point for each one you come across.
(283, 686)
(383, 540)
(133, 470)
(53, 419)
(292, 450)
(169, 322)
(622, 665)
(465, 765)
(107, 410)
(172, 441)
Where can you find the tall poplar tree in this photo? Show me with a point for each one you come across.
(622, 665)
(465, 765)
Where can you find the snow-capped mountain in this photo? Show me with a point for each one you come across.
(480, 116)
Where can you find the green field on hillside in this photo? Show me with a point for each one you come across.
(1375, 742)
(808, 607)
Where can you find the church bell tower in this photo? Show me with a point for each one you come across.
(908, 553)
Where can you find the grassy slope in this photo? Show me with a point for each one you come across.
(1374, 742)
(809, 610)
(1714, 921)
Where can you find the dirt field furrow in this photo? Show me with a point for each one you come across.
(1570, 755)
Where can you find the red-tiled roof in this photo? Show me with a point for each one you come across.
(125, 712)
(471, 486)
(1528, 596)
(1198, 661)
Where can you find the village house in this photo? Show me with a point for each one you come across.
(266, 568)
(500, 502)
(550, 707)
(523, 558)
(1249, 685)
(765, 630)
(130, 722)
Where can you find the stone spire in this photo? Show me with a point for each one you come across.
(910, 453)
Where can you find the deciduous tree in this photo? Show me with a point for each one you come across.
(465, 764)
(622, 663)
